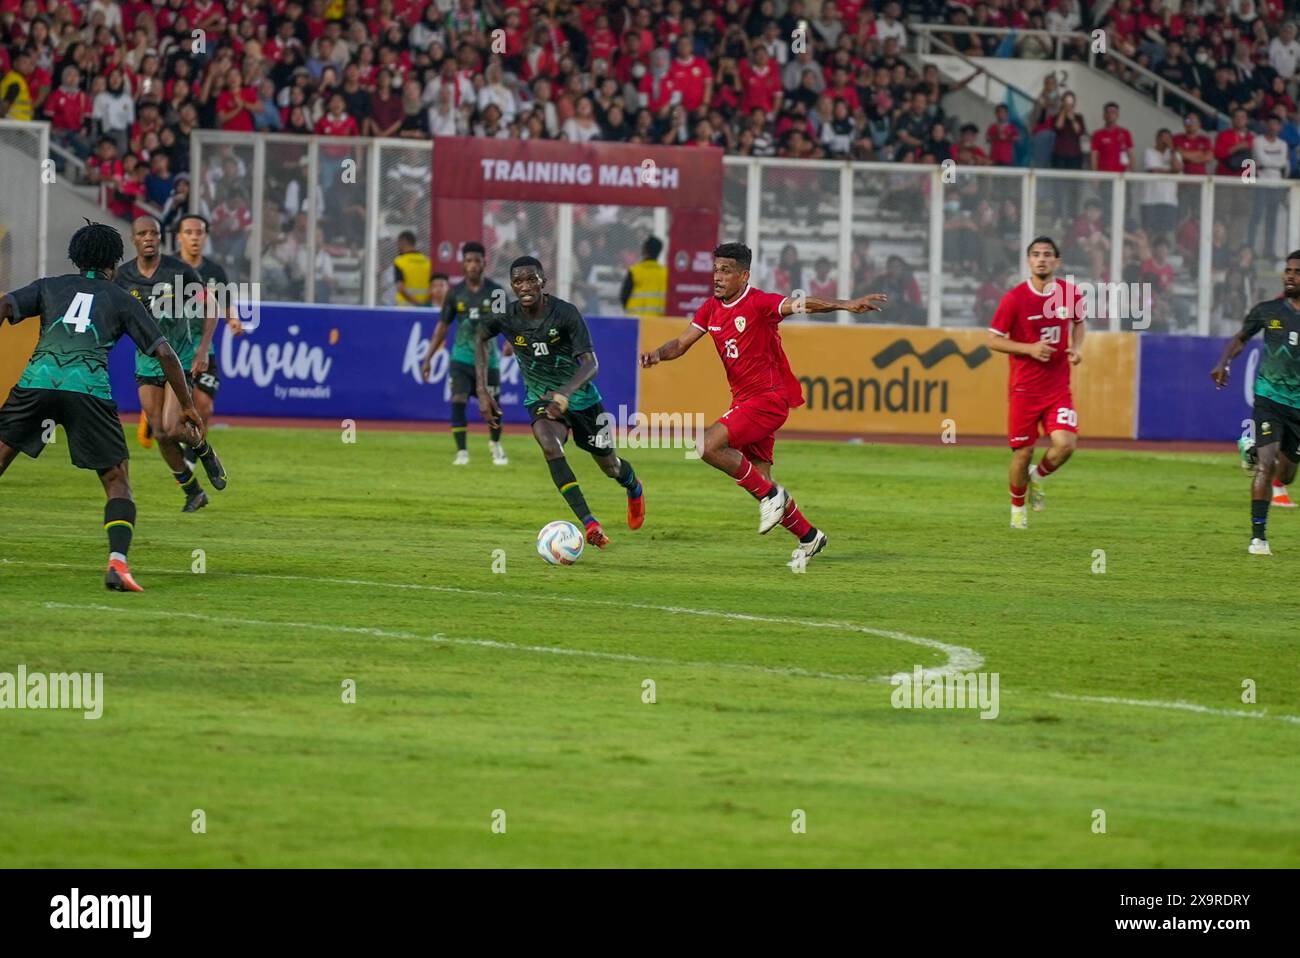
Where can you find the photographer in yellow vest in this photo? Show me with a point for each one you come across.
(15, 92)
(645, 288)
(412, 272)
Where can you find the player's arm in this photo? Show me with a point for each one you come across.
(872, 302)
(673, 348)
(999, 337)
(1252, 324)
(20, 304)
(1078, 331)
(200, 364)
(487, 405)
(435, 343)
(575, 327)
(148, 337)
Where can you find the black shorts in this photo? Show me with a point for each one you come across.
(210, 381)
(94, 432)
(1277, 422)
(590, 434)
(464, 381)
(160, 382)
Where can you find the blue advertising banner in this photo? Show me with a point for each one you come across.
(350, 362)
(1177, 400)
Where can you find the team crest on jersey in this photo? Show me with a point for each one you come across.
(1275, 324)
(740, 324)
(519, 341)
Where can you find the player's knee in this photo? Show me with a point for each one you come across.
(460, 397)
(715, 441)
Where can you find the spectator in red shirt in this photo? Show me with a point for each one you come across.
(68, 107)
(337, 121)
(840, 88)
(692, 75)
(1157, 270)
(237, 104)
(658, 89)
(1196, 147)
(761, 79)
(1232, 147)
(1002, 135)
(1112, 145)
(968, 149)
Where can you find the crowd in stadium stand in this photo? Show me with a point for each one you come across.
(125, 84)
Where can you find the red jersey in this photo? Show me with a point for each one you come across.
(1027, 316)
(691, 78)
(1002, 141)
(1113, 147)
(745, 333)
(1198, 142)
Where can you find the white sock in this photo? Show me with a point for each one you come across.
(1278, 489)
(119, 557)
(1034, 475)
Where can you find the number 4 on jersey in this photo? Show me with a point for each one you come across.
(78, 314)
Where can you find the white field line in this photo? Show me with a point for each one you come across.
(1177, 706)
(441, 639)
(960, 659)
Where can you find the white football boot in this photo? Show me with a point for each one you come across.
(1259, 547)
(806, 550)
(1019, 517)
(462, 458)
(499, 457)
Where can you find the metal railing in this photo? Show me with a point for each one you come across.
(940, 237)
(925, 34)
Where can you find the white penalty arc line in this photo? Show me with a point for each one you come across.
(961, 660)
(441, 639)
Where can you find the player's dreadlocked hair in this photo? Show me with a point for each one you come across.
(95, 246)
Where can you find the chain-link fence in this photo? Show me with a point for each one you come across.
(316, 219)
(24, 201)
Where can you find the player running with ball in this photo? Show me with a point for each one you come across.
(1040, 324)
(743, 323)
(558, 362)
(1277, 395)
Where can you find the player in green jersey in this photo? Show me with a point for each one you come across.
(1277, 395)
(558, 362)
(172, 291)
(66, 381)
(466, 305)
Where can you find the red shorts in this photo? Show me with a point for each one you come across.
(1027, 412)
(752, 424)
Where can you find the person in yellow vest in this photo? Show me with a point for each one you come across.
(645, 288)
(412, 272)
(15, 93)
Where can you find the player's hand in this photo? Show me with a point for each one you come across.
(1040, 351)
(507, 349)
(487, 406)
(235, 326)
(1075, 356)
(426, 368)
(200, 364)
(557, 405)
(1220, 375)
(192, 422)
(650, 359)
(871, 303)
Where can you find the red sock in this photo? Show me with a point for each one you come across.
(1018, 495)
(1045, 468)
(752, 481)
(793, 520)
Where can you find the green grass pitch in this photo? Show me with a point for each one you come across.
(480, 693)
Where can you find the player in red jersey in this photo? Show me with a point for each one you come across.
(1040, 324)
(743, 323)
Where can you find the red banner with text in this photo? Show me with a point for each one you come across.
(468, 171)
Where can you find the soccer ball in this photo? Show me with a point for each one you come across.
(560, 543)
(1249, 454)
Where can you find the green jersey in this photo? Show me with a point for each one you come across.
(467, 308)
(1278, 376)
(210, 271)
(158, 293)
(547, 348)
(82, 318)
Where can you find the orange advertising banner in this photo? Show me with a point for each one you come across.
(16, 345)
(866, 379)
